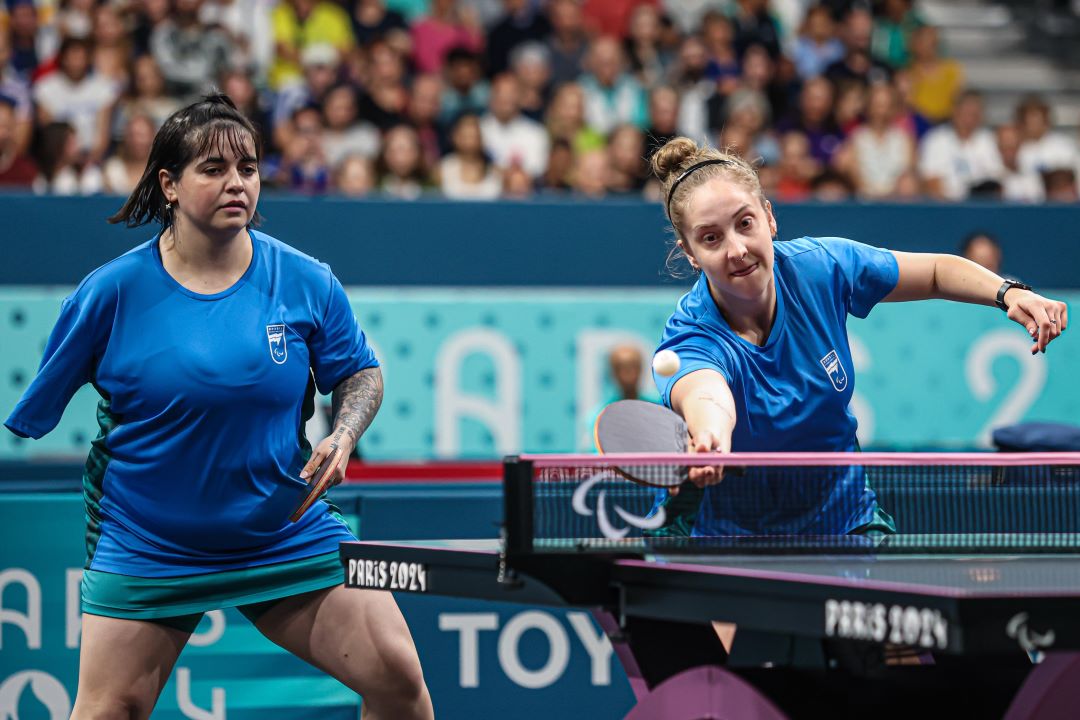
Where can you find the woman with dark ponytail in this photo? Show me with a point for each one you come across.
(207, 343)
(763, 347)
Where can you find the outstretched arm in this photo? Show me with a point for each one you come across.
(704, 400)
(355, 400)
(927, 275)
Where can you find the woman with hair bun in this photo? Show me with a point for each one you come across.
(762, 340)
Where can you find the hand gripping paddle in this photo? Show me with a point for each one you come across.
(319, 481)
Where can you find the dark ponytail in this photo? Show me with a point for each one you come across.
(187, 134)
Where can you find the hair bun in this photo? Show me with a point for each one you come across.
(670, 158)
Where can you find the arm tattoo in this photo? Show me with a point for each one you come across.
(356, 399)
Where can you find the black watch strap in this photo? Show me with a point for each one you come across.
(1006, 287)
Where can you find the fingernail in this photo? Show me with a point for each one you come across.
(303, 474)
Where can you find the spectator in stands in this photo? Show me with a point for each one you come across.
(112, 47)
(73, 18)
(957, 156)
(17, 169)
(145, 96)
(689, 15)
(321, 63)
(817, 46)
(754, 25)
(510, 138)
(372, 20)
(385, 99)
(354, 176)
(748, 110)
(722, 63)
(984, 249)
(531, 64)
(777, 81)
(1060, 184)
(1016, 184)
(814, 119)
(520, 22)
(626, 363)
(626, 159)
(304, 166)
(688, 76)
(401, 165)
(16, 92)
(249, 25)
(936, 81)
(517, 184)
(880, 151)
(663, 118)
(448, 25)
(465, 89)
(1041, 149)
(590, 175)
(238, 85)
(190, 54)
(832, 186)
(61, 168)
(857, 64)
(914, 123)
(344, 133)
(737, 141)
(560, 167)
(566, 120)
(610, 17)
(423, 113)
(909, 187)
(124, 168)
(892, 32)
(648, 61)
(148, 15)
(796, 168)
(300, 24)
(568, 42)
(74, 95)
(26, 55)
(467, 173)
(850, 106)
(612, 96)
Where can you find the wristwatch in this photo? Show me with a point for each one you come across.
(1006, 287)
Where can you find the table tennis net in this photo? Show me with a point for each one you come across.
(807, 503)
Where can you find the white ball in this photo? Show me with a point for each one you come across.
(665, 363)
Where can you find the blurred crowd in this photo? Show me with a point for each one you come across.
(512, 98)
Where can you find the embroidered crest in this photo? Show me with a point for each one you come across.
(835, 370)
(275, 335)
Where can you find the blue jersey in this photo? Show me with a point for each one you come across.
(792, 393)
(197, 465)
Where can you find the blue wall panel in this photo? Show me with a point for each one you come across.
(539, 243)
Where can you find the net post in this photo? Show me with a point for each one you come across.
(517, 505)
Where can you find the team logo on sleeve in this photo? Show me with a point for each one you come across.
(835, 370)
(275, 335)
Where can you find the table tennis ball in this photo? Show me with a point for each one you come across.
(665, 363)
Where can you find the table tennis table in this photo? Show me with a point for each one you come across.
(1002, 625)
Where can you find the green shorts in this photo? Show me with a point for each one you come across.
(179, 602)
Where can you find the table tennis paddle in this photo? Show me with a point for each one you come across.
(636, 426)
(319, 481)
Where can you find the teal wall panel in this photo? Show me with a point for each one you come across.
(484, 372)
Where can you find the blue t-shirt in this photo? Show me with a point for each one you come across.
(197, 467)
(792, 393)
